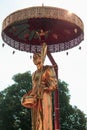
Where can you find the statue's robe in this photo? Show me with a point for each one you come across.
(44, 83)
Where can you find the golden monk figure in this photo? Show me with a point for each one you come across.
(39, 98)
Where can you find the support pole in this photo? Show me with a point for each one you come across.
(56, 96)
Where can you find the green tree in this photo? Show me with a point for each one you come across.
(71, 118)
(13, 116)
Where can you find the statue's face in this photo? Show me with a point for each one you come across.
(37, 58)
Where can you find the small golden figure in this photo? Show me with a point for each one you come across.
(42, 35)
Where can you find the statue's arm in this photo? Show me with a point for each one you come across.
(51, 79)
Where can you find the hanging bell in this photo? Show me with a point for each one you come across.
(30, 56)
(67, 53)
(80, 48)
(3, 45)
(13, 52)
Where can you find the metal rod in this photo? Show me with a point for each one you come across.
(56, 95)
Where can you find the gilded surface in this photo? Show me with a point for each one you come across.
(42, 12)
(42, 113)
(39, 99)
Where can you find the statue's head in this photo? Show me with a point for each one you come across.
(37, 58)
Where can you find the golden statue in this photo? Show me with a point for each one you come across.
(42, 34)
(44, 82)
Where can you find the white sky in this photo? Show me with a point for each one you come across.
(72, 68)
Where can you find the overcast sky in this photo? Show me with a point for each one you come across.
(72, 68)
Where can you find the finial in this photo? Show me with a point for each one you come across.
(42, 4)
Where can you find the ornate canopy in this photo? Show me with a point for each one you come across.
(26, 29)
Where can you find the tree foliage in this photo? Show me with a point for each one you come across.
(13, 116)
(71, 118)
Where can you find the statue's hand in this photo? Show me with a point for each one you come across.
(46, 89)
